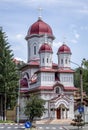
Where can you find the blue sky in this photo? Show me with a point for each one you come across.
(67, 18)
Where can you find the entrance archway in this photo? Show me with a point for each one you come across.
(61, 112)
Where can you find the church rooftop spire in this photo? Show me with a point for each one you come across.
(40, 13)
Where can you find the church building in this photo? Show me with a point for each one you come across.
(52, 82)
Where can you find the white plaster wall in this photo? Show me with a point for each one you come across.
(64, 57)
(33, 70)
(47, 79)
(71, 108)
(85, 114)
(30, 71)
(67, 79)
(37, 84)
(45, 56)
(47, 98)
(38, 41)
(22, 105)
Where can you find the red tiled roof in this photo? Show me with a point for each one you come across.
(54, 64)
(42, 88)
(64, 49)
(45, 48)
(46, 70)
(48, 88)
(61, 70)
(70, 88)
(39, 27)
(33, 63)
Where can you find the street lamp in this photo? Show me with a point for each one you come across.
(81, 85)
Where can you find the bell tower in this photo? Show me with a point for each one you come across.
(64, 56)
(36, 37)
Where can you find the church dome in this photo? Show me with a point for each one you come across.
(64, 49)
(40, 27)
(45, 48)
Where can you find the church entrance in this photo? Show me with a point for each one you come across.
(61, 112)
(58, 113)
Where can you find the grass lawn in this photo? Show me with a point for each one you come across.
(7, 121)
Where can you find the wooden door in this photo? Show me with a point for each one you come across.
(58, 114)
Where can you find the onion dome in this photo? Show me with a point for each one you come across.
(40, 27)
(64, 49)
(24, 83)
(45, 48)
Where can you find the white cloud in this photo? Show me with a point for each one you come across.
(19, 36)
(84, 10)
(74, 41)
(84, 28)
(77, 35)
(16, 37)
(64, 3)
(57, 44)
(73, 26)
(19, 59)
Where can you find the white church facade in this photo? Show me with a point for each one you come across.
(52, 82)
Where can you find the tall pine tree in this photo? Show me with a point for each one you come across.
(8, 75)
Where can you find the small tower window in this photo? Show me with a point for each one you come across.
(65, 61)
(34, 50)
(47, 60)
(43, 60)
(61, 61)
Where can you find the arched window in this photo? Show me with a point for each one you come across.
(57, 90)
(34, 50)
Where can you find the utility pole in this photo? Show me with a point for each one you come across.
(81, 108)
(5, 107)
(81, 80)
(81, 85)
(18, 100)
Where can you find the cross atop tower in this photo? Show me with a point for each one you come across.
(64, 39)
(40, 12)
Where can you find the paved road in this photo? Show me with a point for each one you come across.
(59, 127)
(69, 127)
(11, 126)
(40, 127)
(50, 127)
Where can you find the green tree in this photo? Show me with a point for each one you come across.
(78, 121)
(34, 107)
(8, 73)
(84, 75)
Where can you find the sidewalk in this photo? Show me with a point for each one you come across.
(55, 121)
